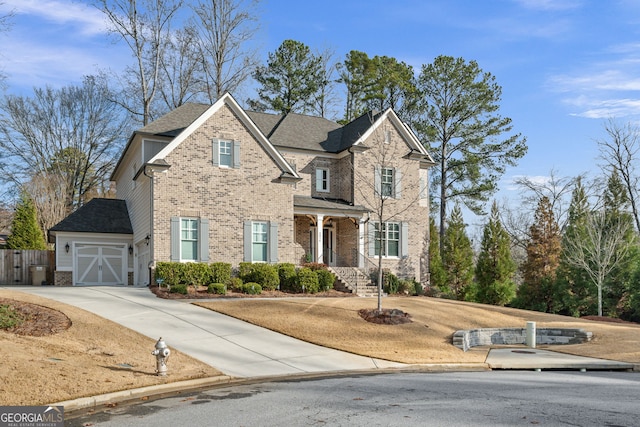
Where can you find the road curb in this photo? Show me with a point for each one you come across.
(91, 402)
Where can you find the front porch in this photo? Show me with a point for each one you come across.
(333, 232)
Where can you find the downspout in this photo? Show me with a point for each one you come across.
(152, 260)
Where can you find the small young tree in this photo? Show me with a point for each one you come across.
(25, 232)
(457, 256)
(495, 267)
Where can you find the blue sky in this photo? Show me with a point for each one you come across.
(565, 66)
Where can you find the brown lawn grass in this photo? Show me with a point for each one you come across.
(93, 356)
(335, 323)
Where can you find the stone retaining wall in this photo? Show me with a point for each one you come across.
(489, 336)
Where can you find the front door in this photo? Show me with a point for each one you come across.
(100, 264)
(328, 243)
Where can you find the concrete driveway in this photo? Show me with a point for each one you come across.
(232, 346)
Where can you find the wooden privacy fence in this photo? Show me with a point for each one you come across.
(26, 267)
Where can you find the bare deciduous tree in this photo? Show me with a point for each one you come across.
(599, 248)
(73, 133)
(621, 152)
(145, 26)
(224, 29)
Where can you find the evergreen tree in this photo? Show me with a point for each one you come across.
(543, 258)
(617, 209)
(289, 80)
(25, 232)
(495, 267)
(458, 117)
(574, 286)
(457, 256)
(438, 277)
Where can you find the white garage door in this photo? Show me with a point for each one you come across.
(100, 264)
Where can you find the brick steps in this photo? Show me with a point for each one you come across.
(352, 280)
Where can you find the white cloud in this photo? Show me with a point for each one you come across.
(90, 20)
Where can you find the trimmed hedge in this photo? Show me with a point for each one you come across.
(325, 279)
(266, 275)
(251, 288)
(220, 272)
(179, 289)
(306, 281)
(217, 288)
(287, 274)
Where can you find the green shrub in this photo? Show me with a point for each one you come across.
(406, 287)
(197, 273)
(325, 279)
(391, 283)
(179, 289)
(236, 284)
(220, 272)
(170, 273)
(217, 288)
(264, 274)
(306, 281)
(251, 288)
(287, 275)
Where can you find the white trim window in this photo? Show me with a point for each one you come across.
(225, 153)
(390, 241)
(322, 180)
(259, 242)
(387, 182)
(188, 239)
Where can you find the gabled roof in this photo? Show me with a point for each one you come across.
(298, 130)
(171, 124)
(97, 216)
(287, 171)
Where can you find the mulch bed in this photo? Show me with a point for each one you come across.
(388, 316)
(38, 321)
(201, 293)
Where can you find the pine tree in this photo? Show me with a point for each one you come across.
(573, 285)
(543, 259)
(25, 232)
(457, 255)
(495, 267)
(438, 277)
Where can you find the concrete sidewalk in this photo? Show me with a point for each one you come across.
(234, 347)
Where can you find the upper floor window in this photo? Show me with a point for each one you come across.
(322, 180)
(226, 153)
(387, 182)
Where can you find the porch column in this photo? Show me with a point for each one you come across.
(319, 240)
(361, 226)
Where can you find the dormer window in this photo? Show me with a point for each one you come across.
(322, 180)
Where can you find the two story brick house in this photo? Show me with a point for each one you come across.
(209, 183)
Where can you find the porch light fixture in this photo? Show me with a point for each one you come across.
(66, 247)
(130, 250)
(147, 239)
